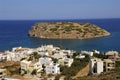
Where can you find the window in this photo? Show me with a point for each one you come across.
(1, 73)
(52, 67)
(52, 71)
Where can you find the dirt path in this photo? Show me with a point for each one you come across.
(83, 72)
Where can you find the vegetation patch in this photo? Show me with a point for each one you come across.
(76, 66)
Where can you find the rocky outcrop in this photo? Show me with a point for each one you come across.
(66, 30)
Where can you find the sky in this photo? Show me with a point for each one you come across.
(58, 9)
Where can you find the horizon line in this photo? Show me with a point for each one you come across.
(57, 19)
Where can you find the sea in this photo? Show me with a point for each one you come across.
(14, 33)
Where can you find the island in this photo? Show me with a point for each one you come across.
(66, 30)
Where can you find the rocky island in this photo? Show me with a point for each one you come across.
(66, 30)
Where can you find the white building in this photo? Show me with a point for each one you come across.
(13, 56)
(46, 50)
(80, 56)
(18, 53)
(38, 66)
(87, 52)
(68, 62)
(96, 51)
(58, 56)
(96, 66)
(45, 60)
(29, 66)
(25, 65)
(43, 53)
(52, 69)
(3, 56)
(65, 62)
(47, 47)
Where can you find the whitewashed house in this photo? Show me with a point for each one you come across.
(3, 56)
(43, 53)
(68, 62)
(46, 50)
(65, 61)
(10, 55)
(96, 52)
(47, 47)
(38, 67)
(13, 56)
(87, 52)
(58, 56)
(45, 60)
(81, 56)
(96, 66)
(52, 69)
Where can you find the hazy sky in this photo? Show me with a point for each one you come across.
(59, 9)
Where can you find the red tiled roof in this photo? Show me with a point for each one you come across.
(2, 53)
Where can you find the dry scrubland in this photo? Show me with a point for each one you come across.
(66, 30)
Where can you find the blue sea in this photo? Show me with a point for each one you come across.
(13, 33)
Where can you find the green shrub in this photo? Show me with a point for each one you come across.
(99, 56)
(53, 29)
(34, 72)
(76, 66)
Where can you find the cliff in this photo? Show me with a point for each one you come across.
(66, 30)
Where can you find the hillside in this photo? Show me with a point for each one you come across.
(66, 30)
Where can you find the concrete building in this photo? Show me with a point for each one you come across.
(25, 65)
(28, 66)
(108, 64)
(2, 73)
(96, 66)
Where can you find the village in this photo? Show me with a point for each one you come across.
(47, 62)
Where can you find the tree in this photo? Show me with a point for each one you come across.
(34, 56)
(54, 60)
(34, 72)
(99, 56)
(75, 54)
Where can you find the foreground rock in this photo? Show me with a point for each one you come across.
(66, 30)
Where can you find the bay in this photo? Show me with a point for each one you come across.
(13, 33)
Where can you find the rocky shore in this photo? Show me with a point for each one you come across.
(66, 30)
